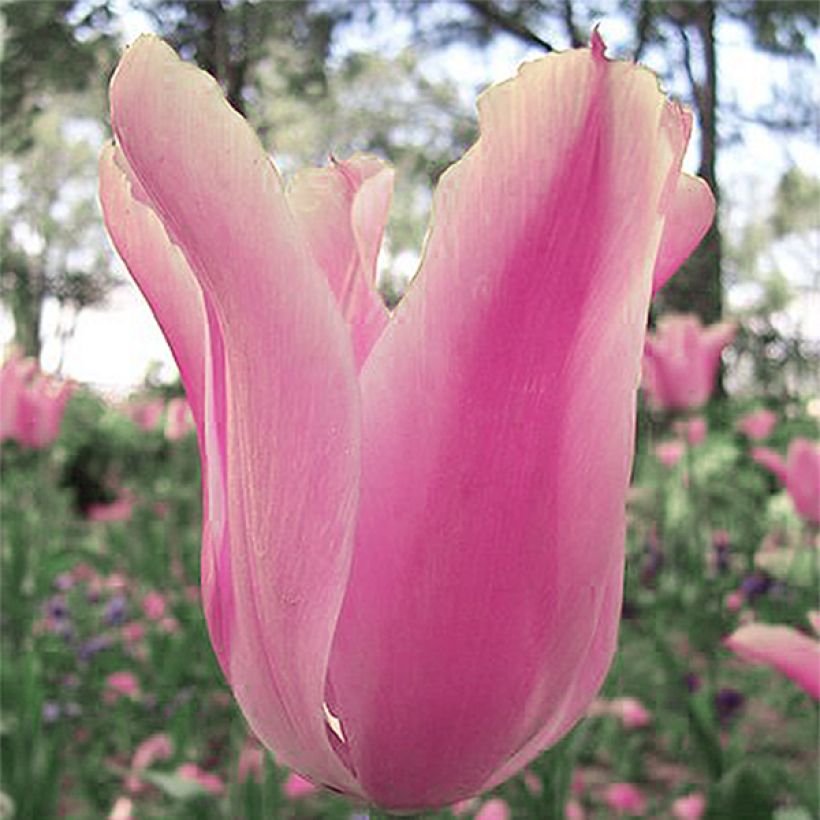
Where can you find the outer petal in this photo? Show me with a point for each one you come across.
(795, 655)
(690, 215)
(281, 415)
(158, 267)
(498, 413)
(803, 479)
(342, 212)
(166, 280)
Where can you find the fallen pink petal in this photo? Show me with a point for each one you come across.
(789, 651)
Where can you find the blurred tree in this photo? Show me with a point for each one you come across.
(52, 243)
(47, 47)
(229, 38)
(778, 255)
(683, 36)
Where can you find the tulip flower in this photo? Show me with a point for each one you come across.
(178, 419)
(625, 798)
(413, 524)
(689, 807)
(694, 430)
(211, 783)
(757, 425)
(669, 453)
(145, 414)
(681, 361)
(32, 404)
(792, 653)
(495, 809)
(800, 473)
(153, 748)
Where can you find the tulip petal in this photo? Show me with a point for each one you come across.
(803, 479)
(498, 414)
(690, 215)
(286, 368)
(793, 654)
(157, 266)
(342, 211)
(163, 275)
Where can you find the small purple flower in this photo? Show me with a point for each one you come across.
(115, 610)
(64, 581)
(57, 608)
(692, 682)
(51, 711)
(755, 585)
(651, 566)
(727, 702)
(92, 646)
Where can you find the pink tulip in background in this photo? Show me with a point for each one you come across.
(799, 473)
(694, 430)
(625, 798)
(793, 653)
(414, 524)
(153, 748)
(210, 782)
(757, 425)
(178, 419)
(146, 414)
(681, 361)
(669, 453)
(689, 807)
(32, 404)
(495, 809)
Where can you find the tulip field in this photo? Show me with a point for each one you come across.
(114, 704)
(526, 543)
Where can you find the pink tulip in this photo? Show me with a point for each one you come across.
(792, 653)
(209, 782)
(413, 539)
(178, 419)
(495, 809)
(296, 786)
(153, 606)
(757, 425)
(669, 453)
(32, 404)
(123, 809)
(533, 783)
(632, 713)
(145, 414)
(154, 748)
(800, 473)
(121, 684)
(694, 430)
(625, 798)
(573, 810)
(690, 807)
(121, 509)
(681, 361)
(734, 600)
(251, 762)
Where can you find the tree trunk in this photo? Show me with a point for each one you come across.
(697, 287)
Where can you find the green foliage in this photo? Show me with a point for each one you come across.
(48, 47)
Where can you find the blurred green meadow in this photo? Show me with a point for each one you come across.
(104, 644)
